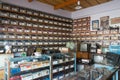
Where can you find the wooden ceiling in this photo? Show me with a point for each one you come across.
(71, 4)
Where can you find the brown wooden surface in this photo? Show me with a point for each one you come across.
(83, 55)
(71, 7)
(63, 4)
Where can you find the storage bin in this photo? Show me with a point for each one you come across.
(15, 71)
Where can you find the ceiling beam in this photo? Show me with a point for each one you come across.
(67, 3)
(97, 1)
(30, 0)
(88, 2)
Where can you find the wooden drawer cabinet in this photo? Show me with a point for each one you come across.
(83, 55)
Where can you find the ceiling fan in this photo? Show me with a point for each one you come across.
(78, 7)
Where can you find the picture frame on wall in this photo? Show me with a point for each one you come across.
(104, 22)
(95, 24)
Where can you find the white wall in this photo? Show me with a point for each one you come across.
(39, 6)
(111, 9)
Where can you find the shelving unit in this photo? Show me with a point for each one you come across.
(45, 67)
(28, 68)
(32, 27)
(63, 66)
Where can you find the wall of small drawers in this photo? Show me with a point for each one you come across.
(23, 27)
(82, 33)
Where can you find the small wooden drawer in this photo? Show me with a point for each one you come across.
(84, 19)
(59, 18)
(106, 32)
(21, 17)
(56, 18)
(26, 30)
(106, 37)
(3, 36)
(50, 22)
(99, 32)
(83, 38)
(29, 12)
(27, 37)
(45, 32)
(1, 44)
(20, 30)
(16, 9)
(34, 43)
(55, 23)
(40, 20)
(34, 19)
(2, 28)
(41, 15)
(114, 31)
(34, 37)
(20, 43)
(5, 21)
(22, 23)
(28, 18)
(22, 10)
(35, 25)
(39, 37)
(1, 5)
(33, 31)
(6, 7)
(94, 38)
(11, 29)
(46, 16)
(29, 24)
(88, 38)
(51, 17)
(27, 43)
(36, 13)
(14, 22)
(93, 33)
(46, 21)
(4, 14)
(100, 37)
(114, 37)
(39, 32)
(12, 36)
(13, 15)
(20, 37)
